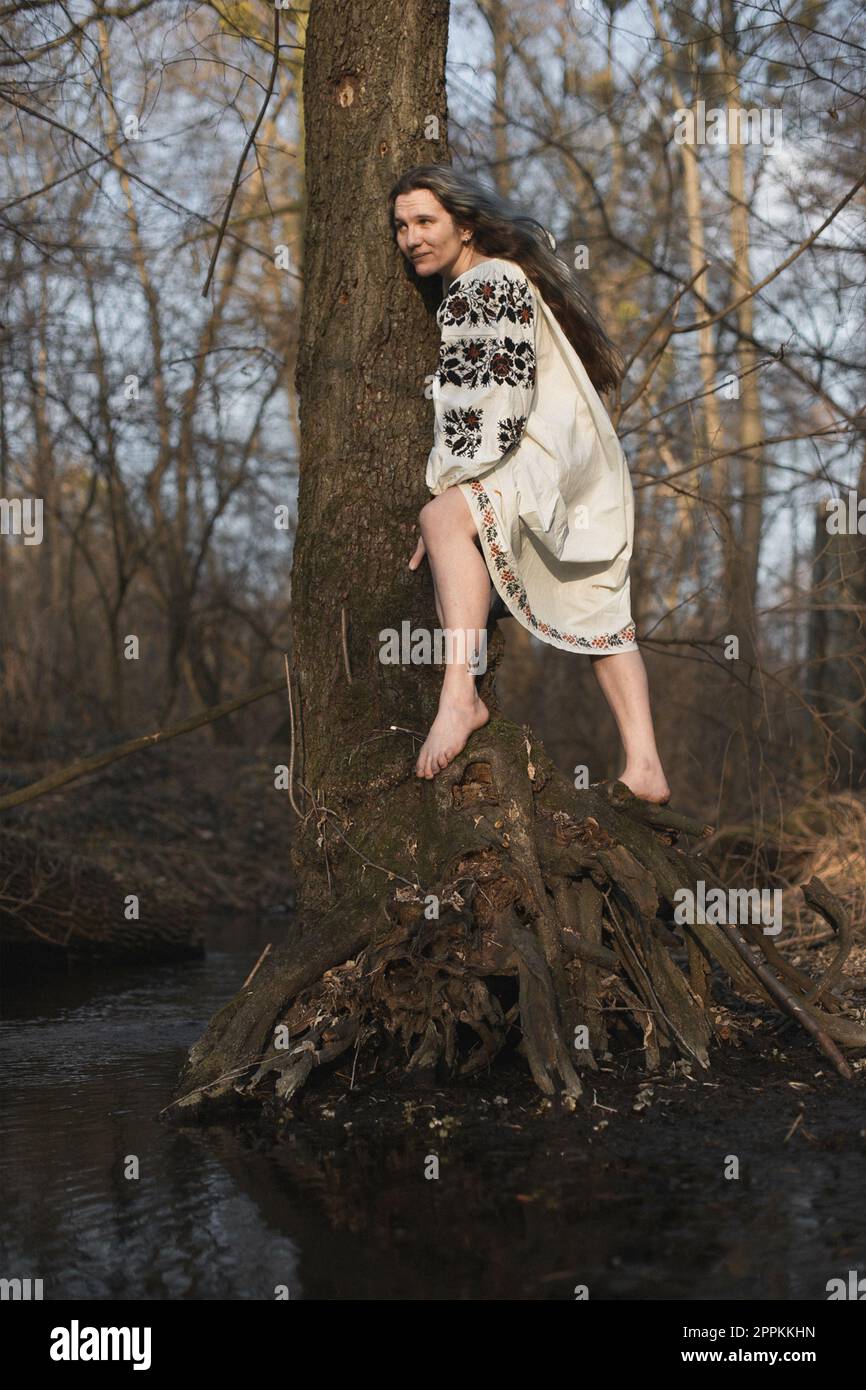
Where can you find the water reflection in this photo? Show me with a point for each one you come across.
(88, 1059)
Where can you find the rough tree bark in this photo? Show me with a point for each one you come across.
(550, 901)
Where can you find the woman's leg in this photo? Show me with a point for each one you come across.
(623, 680)
(462, 587)
(437, 601)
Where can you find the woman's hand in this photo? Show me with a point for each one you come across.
(420, 552)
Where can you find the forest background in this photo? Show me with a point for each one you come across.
(151, 277)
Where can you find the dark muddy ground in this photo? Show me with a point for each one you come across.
(626, 1195)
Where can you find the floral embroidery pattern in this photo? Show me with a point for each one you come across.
(495, 349)
(511, 431)
(473, 302)
(513, 363)
(474, 363)
(462, 431)
(514, 589)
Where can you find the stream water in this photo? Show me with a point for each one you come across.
(88, 1058)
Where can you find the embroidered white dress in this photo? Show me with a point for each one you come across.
(521, 430)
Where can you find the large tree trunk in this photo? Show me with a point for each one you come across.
(434, 917)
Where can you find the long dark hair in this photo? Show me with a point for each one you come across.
(501, 231)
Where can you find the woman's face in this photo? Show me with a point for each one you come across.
(427, 234)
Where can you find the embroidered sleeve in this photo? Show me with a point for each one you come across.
(484, 383)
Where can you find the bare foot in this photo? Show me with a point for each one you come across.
(647, 781)
(456, 720)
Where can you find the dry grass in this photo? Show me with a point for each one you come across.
(823, 837)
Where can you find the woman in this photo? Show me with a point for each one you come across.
(531, 489)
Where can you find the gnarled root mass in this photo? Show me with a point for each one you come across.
(500, 905)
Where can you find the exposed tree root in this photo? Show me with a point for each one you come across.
(551, 915)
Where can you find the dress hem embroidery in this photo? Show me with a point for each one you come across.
(501, 565)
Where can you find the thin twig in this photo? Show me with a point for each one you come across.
(344, 624)
(252, 135)
(256, 966)
(369, 862)
(657, 322)
(742, 449)
(798, 251)
(173, 204)
(295, 807)
(698, 396)
(793, 1127)
(355, 1061)
(209, 1085)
